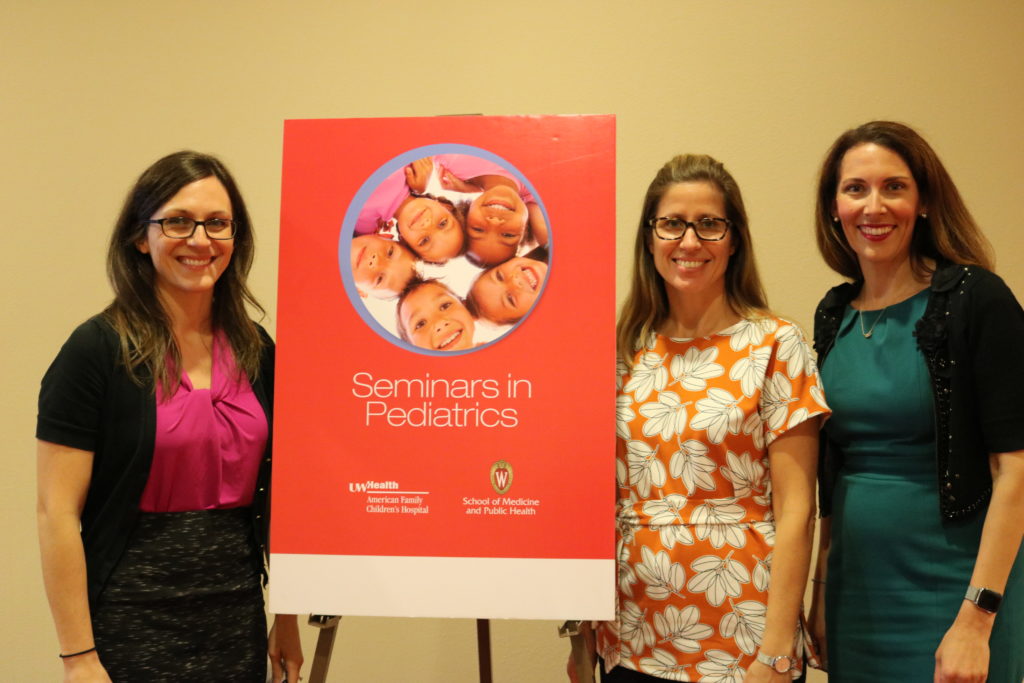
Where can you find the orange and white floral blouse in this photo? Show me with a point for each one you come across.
(695, 528)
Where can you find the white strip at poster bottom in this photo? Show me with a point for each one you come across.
(469, 587)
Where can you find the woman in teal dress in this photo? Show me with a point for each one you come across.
(920, 575)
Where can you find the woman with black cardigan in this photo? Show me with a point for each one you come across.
(154, 449)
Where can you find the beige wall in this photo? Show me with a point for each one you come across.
(92, 92)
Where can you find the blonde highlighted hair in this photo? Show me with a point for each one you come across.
(646, 306)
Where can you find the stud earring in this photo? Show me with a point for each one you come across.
(924, 214)
(835, 219)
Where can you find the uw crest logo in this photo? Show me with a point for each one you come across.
(501, 477)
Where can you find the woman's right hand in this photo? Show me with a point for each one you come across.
(589, 653)
(85, 669)
(816, 624)
(63, 477)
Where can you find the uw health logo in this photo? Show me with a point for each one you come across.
(372, 486)
(501, 477)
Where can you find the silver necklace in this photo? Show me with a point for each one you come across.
(867, 333)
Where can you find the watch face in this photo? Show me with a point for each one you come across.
(782, 664)
(988, 600)
(984, 598)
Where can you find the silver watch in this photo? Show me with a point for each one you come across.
(984, 598)
(779, 664)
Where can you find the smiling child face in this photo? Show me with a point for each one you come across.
(434, 318)
(380, 266)
(495, 225)
(430, 229)
(505, 293)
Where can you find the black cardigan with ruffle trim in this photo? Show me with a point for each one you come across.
(972, 339)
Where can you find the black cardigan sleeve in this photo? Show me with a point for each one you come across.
(995, 339)
(72, 390)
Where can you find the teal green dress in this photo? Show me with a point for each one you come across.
(897, 572)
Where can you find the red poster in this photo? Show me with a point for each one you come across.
(444, 426)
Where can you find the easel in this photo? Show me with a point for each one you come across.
(328, 626)
(582, 660)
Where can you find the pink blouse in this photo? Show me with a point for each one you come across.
(209, 442)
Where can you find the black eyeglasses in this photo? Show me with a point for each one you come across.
(674, 228)
(183, 227)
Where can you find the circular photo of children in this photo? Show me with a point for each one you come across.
(445, 249)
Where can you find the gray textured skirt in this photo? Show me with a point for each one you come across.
(185, 602)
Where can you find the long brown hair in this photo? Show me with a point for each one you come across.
(136, 314)
(948, 232)
(646, 306)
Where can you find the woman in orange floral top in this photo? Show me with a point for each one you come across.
(719, 407)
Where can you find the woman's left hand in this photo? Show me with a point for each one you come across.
(963, 654)
(285, 649)
(761, 673)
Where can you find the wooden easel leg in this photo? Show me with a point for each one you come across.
(328, 626)
(483, 646)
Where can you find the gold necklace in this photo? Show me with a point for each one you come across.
(867, 333)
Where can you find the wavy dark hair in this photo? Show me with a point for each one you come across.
(141, 322)
(646, 305)
(947, 232)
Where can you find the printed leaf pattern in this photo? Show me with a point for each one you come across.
(673, 533)
(647, 376)
(662, 576)
(718, 577)
(753, 425)
(745, 624)
(695, 532)
(767, 530)
(694, 368)
(749, 333)
(626, 573)
(623, 415)
(775, 399)
(746, 475)
(665, 516)
(718, 415)
(719, 521)
(721, 667)
(762, 573)
(621, 473)
(682, 628)
(621, 370)
(633, 627)
(692, 464)
(667, 417)
(645, 470)
(663, 664)
(819, 397)
(794, 352)
(665, 510)
(749, 370)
